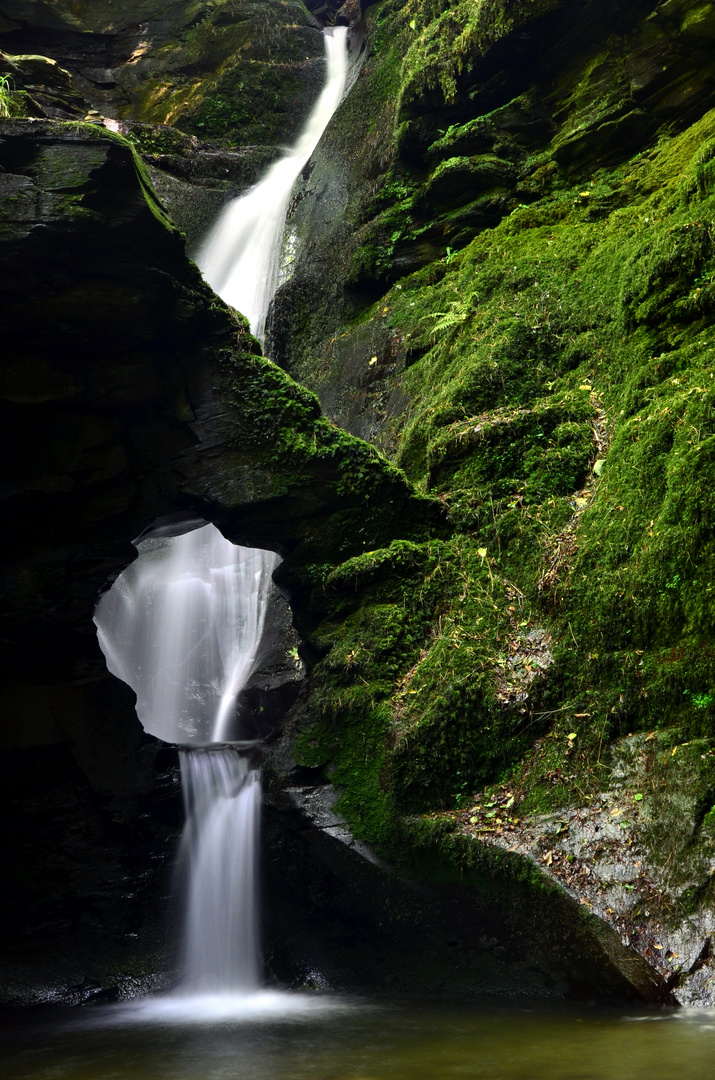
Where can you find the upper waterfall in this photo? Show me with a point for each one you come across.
(240, 256)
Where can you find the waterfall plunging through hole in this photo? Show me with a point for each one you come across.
(182, 626)
(240, 256)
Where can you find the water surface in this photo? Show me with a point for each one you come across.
(304, 1037)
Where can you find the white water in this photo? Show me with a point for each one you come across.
(240, 256)
(221, 946)
(182, 626)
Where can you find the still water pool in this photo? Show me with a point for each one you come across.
(294, 1037)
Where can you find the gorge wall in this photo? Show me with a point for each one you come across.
(502, 276)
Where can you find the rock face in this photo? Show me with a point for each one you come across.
(129, 394)
(243, 71)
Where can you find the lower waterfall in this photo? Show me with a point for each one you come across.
(182, 626)
(221, 933)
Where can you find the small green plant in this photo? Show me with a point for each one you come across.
(7, 90)
(700, 701)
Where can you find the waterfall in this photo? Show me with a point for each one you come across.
(183, 623)
(240, 256)
(222, 797)
(182, 626)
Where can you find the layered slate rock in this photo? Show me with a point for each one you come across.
(244, 72)
(129, 393)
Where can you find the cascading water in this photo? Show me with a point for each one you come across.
(222, 797)
(183, 623)
(241, 254)
(182, 626)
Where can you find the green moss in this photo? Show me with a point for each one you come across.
(561, 407)
(405, 696)
(450, 37)
(238, 75)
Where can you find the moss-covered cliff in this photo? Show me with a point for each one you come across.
(515, 299)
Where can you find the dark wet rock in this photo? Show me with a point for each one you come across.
(366, 925)
(242, 73)
(278, 676)
(629, 855)
(129, 393)
(41, 88)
